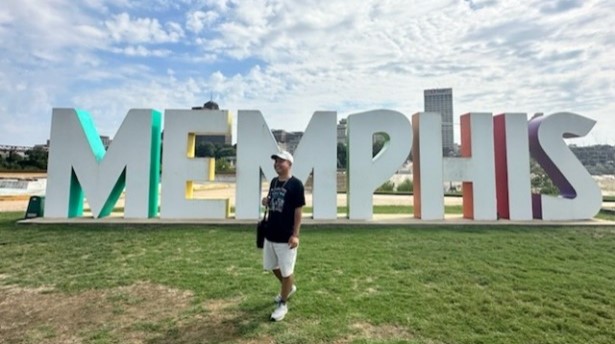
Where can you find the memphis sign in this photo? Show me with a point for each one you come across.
(493, 167)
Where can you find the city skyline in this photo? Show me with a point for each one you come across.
(289, 60)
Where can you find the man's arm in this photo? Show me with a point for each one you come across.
(297, 226)
(300, 202)
(294, 239)
(265, 200)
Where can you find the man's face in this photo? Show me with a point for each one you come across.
(281, 166)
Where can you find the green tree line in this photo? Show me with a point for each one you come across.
(34, 159)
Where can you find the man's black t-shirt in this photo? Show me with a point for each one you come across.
(284, 198)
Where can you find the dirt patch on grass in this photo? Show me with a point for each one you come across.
(370, 332)
(41, 315)
(215, 324)
(220, 322)
(140, 313)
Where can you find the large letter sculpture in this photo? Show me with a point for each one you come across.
(314, 153)
(181, 168)
(493, 167)
(476, 167)
(255, 144)
(366, 173)
(580, 196)
(427, 166)
(512, 166)
(78, 164)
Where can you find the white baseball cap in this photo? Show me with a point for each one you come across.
(284, 155)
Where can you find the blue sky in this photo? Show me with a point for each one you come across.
(289, 59)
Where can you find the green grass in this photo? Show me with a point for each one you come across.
(367, 284)
(394, 209)
(608, 215)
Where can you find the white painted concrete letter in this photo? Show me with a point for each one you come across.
(476, 167)
(180, 168)
(255, 144)
(366, 174)
(580, 196)
(317, 152)
(512, 166)
(427, 166)
(78, 164)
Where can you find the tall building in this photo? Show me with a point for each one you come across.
(341, 130)
(217, 140)
(106, 141)
(441, 100)
(287, 140)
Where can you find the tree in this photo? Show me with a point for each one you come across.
(13, 161)
(222, 165)
(224, 151)
(36, 158)
(541, 183)
(377, 147)
(387, 186)
(342, 154)
(406, 186)
(206, 149)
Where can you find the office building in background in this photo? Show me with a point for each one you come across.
(441, 100)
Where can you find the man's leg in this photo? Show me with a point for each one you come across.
(287, 286)
(286, 259)
(278, 274)
(287, 267)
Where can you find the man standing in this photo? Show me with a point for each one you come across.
(285, 199)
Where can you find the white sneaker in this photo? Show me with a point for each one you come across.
(279, 312)
(278, 298)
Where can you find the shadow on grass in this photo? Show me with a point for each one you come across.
(221, 323)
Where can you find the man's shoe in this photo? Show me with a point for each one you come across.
(278, 298)
(279, 312)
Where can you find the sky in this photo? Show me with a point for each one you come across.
(289, 59)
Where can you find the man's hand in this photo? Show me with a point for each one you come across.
(264, 201)
(293, 241)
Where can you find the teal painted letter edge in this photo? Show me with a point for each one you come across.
(154, 172)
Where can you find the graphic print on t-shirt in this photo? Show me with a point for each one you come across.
(277, 199)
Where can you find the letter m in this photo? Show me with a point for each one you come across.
(316, 154)
(80, 166)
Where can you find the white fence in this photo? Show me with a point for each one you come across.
(18, 187)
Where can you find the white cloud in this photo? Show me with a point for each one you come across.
(141, 51)
(49, 26)
(142, 30)
(220, 6)
(199, 20)
(104, 6)
(5, 18)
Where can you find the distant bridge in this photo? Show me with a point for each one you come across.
(21, 149)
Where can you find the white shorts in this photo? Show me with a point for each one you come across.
(279, 256)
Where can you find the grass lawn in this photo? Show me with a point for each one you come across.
(394, 209)
(370, 284)
(606, 215)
